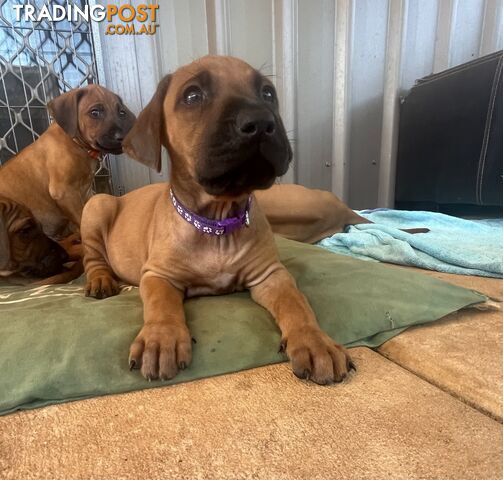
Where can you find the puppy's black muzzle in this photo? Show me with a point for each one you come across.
(111, 141)
(246, 153)
(50, 264)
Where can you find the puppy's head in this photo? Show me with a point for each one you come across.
(24, 248)
(95, 115)
(218, 117)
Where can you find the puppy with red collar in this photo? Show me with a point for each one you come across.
(53, 176)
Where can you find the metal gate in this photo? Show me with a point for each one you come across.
(39, 61)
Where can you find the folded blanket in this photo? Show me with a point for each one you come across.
(58, 345)
(452, 245)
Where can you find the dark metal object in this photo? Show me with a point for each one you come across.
(450, 148)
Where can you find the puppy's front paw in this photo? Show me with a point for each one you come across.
(101, 285)
(315, 356)
(160, 350)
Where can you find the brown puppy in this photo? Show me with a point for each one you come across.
(308, 215)
(305, 214)
(219, 120)
(53, 176)
(26, 253)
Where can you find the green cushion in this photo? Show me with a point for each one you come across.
(57, 345)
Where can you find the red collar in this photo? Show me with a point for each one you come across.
(94, 154)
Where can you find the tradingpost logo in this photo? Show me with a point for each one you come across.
(122, 19)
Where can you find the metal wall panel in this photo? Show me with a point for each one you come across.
(340, 67)
(367, 60)
(315, 60)
(418, 54)
(468, 19)
(251, 25)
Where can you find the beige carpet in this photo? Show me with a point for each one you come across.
(462, 354)
(385, 422)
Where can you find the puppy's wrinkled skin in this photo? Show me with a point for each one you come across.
(53, 176)
(26, 253)
(219, 120)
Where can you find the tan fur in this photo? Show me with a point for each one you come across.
(27, 255)
(141, 239)
(305, 214)
(53, 176)
(309, 215)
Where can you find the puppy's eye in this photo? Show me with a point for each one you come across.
(26, 230)
(268, 94)
(95, 113)
(193, 96)
(122, 113)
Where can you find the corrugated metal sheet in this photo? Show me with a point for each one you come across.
(340, 68)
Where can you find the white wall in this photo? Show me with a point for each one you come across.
(339, 65)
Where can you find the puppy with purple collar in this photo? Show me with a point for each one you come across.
(204, 233)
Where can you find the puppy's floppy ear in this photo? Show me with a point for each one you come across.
(4, 243)
(144, 140)
(65, 110)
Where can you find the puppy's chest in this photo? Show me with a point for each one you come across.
(217, 285)
(210, 275)
(208, 271)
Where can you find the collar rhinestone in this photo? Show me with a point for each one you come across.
(209, 226)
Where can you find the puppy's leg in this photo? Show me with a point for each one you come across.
(73, 246)
(313, 354)
(101, 282)
(68, 198)
(75, 271)
(163, 345)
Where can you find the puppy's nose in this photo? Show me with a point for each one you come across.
(63, 256)
(57, 254)
(253, 123)
(119, 136)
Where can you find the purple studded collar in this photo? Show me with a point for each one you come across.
(209, 226)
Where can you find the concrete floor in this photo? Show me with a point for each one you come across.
(427, 405)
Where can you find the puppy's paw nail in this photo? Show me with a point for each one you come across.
(352, 365)
(193, 340)
(282, 346)
(182, 366)
(304, 375)
(132, 364)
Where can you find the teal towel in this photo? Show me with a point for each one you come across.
(452, 245)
